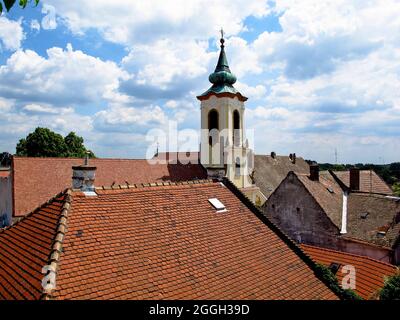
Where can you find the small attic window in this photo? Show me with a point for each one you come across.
(364, 215)
(218, 205)
(330, 190)
(334, 267)
(381, 234)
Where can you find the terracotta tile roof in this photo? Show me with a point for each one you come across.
(370, 273)
(162, 242)
(370, 213)
(270, 172)
(369, 181)
(38, 179)
(25, 249)
(327, 193)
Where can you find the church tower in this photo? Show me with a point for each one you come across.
(224, 148)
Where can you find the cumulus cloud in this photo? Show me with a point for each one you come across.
(63, 77)
(11, 34)
(129, 22)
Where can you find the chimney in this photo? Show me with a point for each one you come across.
(354, 179)
(273, 155)
(83, 176)
(292, 157)
(314, 172)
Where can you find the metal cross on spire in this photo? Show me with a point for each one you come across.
(222, 33)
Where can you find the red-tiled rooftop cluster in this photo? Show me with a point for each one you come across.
(156, 242)
(370, 273)
(37, 179)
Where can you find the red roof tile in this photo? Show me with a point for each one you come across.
(165, 242)
(370, 273)
(38, 179)
(25, 248)
(369, 181)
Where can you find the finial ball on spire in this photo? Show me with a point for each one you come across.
(222, 36)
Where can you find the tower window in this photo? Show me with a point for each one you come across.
(213, 123)
(237, 167)
(236, 128)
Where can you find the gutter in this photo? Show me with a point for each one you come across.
(344, 213)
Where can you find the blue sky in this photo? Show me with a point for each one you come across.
(319, 75)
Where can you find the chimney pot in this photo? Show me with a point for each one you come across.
(354, 178)
(314, 172)
(273, 155)
(83, 176)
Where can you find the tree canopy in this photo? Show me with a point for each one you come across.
(8, 4)
(391, 288)
(45, 143)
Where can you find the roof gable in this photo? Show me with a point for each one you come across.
(269, 171)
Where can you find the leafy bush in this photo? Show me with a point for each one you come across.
(391, 288)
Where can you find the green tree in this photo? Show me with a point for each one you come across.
(8, 4)
(75, 147)
(45, 143)
(391, 288)
(396, 188)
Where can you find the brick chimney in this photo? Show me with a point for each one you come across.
(354, 179)
(83, 176)
(292, 158)
(273, 155)
(314, 172)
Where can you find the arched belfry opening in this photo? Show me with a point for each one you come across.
(236, 128)
(213, 125)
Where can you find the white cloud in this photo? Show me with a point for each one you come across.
(64, 77)
(11, 34)
(129, 22)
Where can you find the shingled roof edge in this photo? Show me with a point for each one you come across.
(57, 243)
(22, 218)
(280, 233)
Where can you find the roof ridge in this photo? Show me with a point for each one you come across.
(350, 254)
(151, 184)
(280, 233)
(56, 247)
(40, 207)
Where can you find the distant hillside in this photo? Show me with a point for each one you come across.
(388, 172)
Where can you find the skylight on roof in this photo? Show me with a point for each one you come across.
(90, 193)
(218, 205)
(334, 267)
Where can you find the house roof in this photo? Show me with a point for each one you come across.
(383, 211)
(328, 195)
(370, 273)
(25, 249)
(156, 242)
(38, 179)
(269, 171)
(382, 215)
(369, 181)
